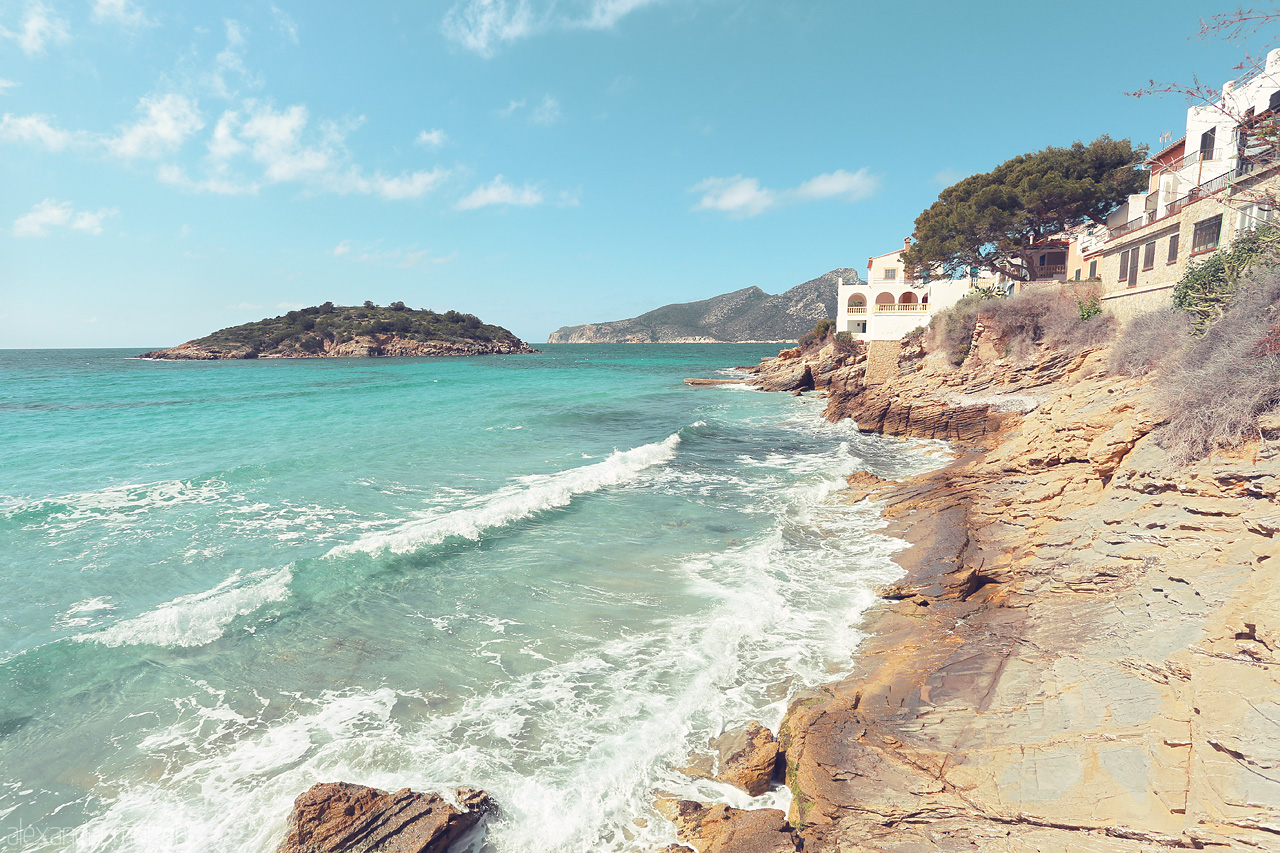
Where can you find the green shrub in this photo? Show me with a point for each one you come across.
(819, 333)
(1208, 284)
(1048, 317)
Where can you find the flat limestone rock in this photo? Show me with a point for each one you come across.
(336, 817)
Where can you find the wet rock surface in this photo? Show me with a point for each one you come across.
(338, 817)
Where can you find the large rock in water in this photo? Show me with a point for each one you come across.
(336, 817)
(747, 756)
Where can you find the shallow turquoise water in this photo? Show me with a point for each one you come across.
(549, 576)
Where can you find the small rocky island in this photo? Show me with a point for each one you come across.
(338, 331)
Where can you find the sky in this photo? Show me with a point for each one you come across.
(171, 168)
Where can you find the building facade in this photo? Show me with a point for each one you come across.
(893, 300)
(1216, 182)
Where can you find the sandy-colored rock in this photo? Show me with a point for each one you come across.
(721, 829)
(747, 757)
(338, 817)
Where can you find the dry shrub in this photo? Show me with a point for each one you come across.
(1215, 390)
(951, 330)
(1050, 318)
(1150, 340)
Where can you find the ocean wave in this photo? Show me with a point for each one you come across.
(198, 618)
(530, 495)
(115, 503)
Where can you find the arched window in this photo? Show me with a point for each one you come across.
(857, 304)
(907, 298)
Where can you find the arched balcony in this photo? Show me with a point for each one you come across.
(906, 301)
(857, 304)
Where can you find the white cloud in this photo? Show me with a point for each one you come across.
(510, 108)
(737, 196)
(40, 26)
(483, 26)
(948, 176)
(6, 85)
(121, 12)
(34, 130)
(412, 185)
(173, 175)
(432, 139)
(50, 214)
(744, 197)
(849, 186)
(548, 112)
(403, 258)
(230, 63)
(285, 23)
(166, 123)
(498, 191)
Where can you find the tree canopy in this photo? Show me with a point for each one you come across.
(992, 221)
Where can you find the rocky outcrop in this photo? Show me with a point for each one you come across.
(388, 346)
(748, 315)
(1084, 653)
(721, 829)
(338, 817)
(745, 756)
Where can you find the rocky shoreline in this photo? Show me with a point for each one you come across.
(1083, 652)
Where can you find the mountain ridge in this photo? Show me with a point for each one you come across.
(747, 315)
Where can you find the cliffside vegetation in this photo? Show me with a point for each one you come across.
(308, 329)
(1071, 322)
(1215, 374)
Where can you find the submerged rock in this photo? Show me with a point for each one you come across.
(335, 817)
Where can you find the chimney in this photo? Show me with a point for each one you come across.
(906, 243)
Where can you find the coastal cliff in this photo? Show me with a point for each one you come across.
(335, 331)
(1084, 652)
(748, 315)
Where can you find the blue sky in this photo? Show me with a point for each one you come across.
(170, 168)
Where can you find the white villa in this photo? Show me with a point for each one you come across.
(893, 300)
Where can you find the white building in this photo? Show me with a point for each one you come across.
(892, 301)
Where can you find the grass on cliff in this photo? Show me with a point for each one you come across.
(1026, 322)
(1215, 386)
(309, 328)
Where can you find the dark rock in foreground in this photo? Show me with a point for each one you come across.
(337, 817)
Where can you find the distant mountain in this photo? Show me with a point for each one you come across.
(744, 315)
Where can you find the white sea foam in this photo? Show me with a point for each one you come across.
(198, 618)
(528, 496)
(84, 613)
(119, 507)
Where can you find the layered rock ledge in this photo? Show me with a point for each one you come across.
(1084, 652)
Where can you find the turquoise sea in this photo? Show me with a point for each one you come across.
(549, 576)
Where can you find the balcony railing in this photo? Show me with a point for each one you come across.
(1050, 270)
(1131, 225)
(857, 309)
(902, 306)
